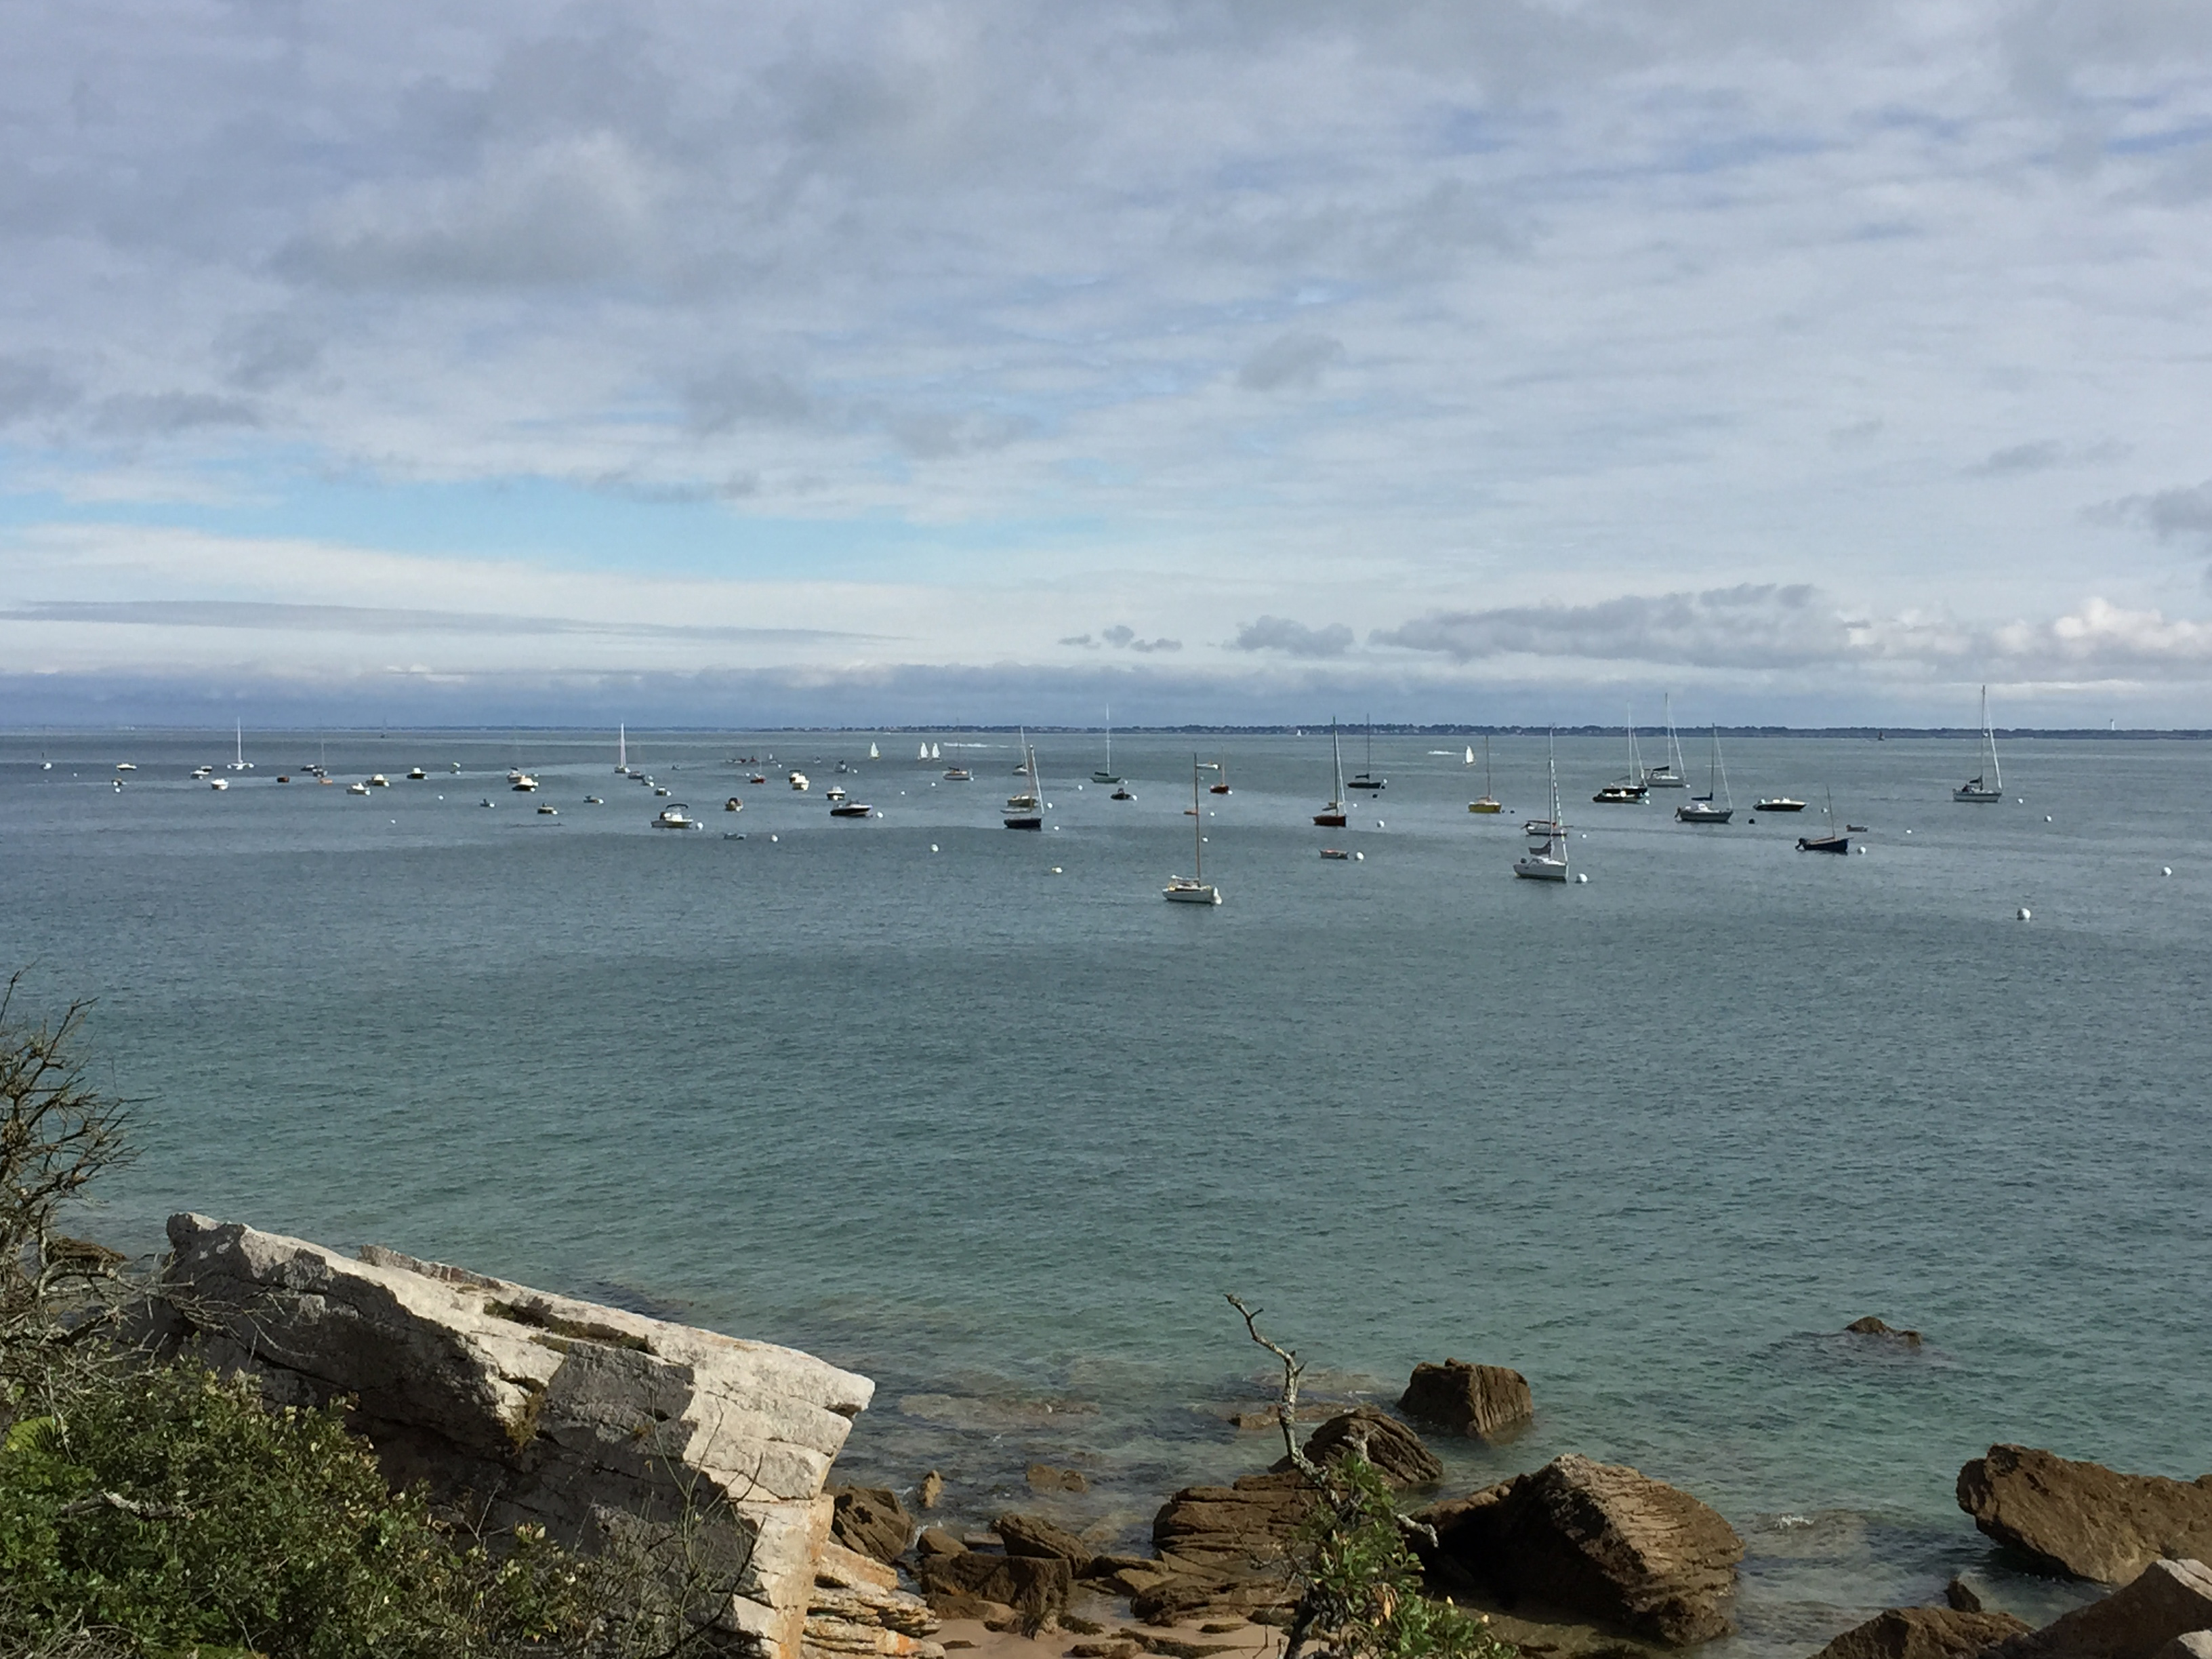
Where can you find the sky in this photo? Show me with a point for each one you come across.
(485, 362)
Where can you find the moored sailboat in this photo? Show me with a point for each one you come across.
(1331, 817)
(1488, 802)
(1831, 842)
(1549, 862)
(1670, 773)
(1026, 809)
(1988, 784)
(1367, 779)
(1106, 773)
(1192, 888)
(1705, 809)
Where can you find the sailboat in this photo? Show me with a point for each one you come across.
(923, 753)
(1026, 810)
(1106, 773)
(1705, 808)
(1220, 784)
(1988, 784)
(1193, 890)
(241, 764)
(621, 750)
(1548, 863)
(937, 751)
(1367, 779)
(873, 752)
(1831, 842)
(1488, 802)
(1633, 788)
(1670, 773)
(1331, 817)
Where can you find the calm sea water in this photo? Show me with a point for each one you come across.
(974, 1112)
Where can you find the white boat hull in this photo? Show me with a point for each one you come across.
(1539, 868)
(1191, 892)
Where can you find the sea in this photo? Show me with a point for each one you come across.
(972, 1111)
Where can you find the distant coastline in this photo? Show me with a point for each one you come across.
(1281, 729)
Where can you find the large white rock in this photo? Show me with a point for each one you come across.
(539, 1408)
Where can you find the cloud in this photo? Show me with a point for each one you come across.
(31, 386)
(2020, 458)
(2181, 514)
(167, 414)
(1294, 361)
(1122, 637)
(368, 619)
(1083, 641)
(1294, 639)
(1762, 625)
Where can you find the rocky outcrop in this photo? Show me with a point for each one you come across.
(1598, 1541)
(857, 1607)
(1481, 1402)
(1870, 1325)
(2082, 1519)
(2169, 1599)
(963, 1584)
(1923, 1633)
(1394, 1450)
(2198, 1645)
(1043, 1477)
(1223, 1551)
(872, 1520)
(1032, 1534)
(535, 1407)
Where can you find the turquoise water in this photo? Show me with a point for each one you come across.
(896, 1092)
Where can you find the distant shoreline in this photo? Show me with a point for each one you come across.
(1861, 734)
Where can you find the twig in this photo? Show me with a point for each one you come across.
(133, 1507)
(1286, 1406)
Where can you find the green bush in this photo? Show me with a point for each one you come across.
(170, 1510)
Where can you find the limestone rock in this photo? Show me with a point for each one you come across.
(2082, 1519)
(871, 1519)
(1480, 1400)
(2169, 1599)
(1394, 1450)
(1032, 1534)
(1870, 1325)
(1035, 1587)
(542, 1408)
(1923, 1633)
(1597, 1541)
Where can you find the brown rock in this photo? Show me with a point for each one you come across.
(2198, 1645)
(2168, 1600)
(1103, 1650)
(1043, 1477)
(1236, 1526)
(1870, 1325)
(1032, 1534)
(2082, 1519)
(1963, 1597)
(931, 1489)
(935, 1540)
(1035, 1587)
(1600, 1541)
(1923, 1633)
(1480, 1400)
(870, 1519)
(1394, 1450)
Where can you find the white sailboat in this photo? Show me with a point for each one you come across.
(1470, 752)
(1670, 773)
(1632, 789)
(1193, 890)
(1705, 808)
(1549, 862)
(1107, 773)
(1331, 817)
(1026, 809)
(241, 764)
(1367, 779)
(621, 750)
(1489, 802)
(873, 754)
(936, 752)
(1988, 784)
(922, 754)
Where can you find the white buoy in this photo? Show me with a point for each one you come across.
(775, 838)
(2026, 914)
(1362, 857)
(2047, 818)
(933, 847)
(1584, 880)
(2165, 869)
(1379, 824)
(1056, 869)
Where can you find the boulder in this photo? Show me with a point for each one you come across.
(534, 1407)
(871, 1519)
(1035, 1587)
(1870, 1325)
(1234, 1528)
(1479, 1400)
(1923, 1633)
(1598, 1541)
(1962, 1597)
(1032, 1534)
(935, 1540)
(2169, 1599)
(2082, 1519)
(1043, 1477)
(931, 1489)
(1394, 1450)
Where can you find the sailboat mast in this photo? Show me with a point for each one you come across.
(622, 747)
(1109, 736)
(239, 731)
(1336, 763)
(1990, 743)
(1197, 828)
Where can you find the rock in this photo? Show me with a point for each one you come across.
(540, 1408)
(1103, 1650)
(1870, 1325)
(930, 1490)
(1394, 1450)
(871, 1520)
(1923, 1633)
(1596, 1541)
(2198, 1645)
(1035, 1587)
(2082, 1519)
(2169, 1599)
(1962, 1597)
(1043, 1477)
(1032, 1534)
(1236, 1526)
(935, 1540)
(1480, 1400)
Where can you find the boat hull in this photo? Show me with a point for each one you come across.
(1329, 820)
(854, 810)
(1704, 814)
(1540, 869)
(1780, 806)
(1484, 805)
(1191, 892)
(1981, 797)
(1025, 822)
(1823, 843)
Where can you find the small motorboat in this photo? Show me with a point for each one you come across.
(757, 777)
(520, 783)
(851, 809)
(378, 780)
(1620, 794)
(358, 788)
(219, 783)
(456, 767)
(1122, 794)
(1334, 852)
(593, 800)
(675, 815)
(132, 766)
(283, 777)
(833, 794)
(486, 801)
(958, 775)
(733, 805)
(416, 773)
(1779, 804)
(660, 790)
(203, 772)
(798, 782)
(1858, 829)
(547, 810)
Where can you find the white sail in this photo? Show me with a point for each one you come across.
(923, 754)
(1470, 756)
(872, 755)
(937, 751)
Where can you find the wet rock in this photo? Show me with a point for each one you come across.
(1032, 1534)
(1035, 1587)
(871, 1519)
(1923, 1633)
(1478, 1401)
(1596, 1540)
(1043, 1477)
(1963, 1597)
(1870, 1325)
(538, 1408)
(2168, 1600)
(1394, 1450)
(930, 1490)
(2082, 1519)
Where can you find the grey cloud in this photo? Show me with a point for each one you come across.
(934, 436)
(1749, 626)
(262, 352)
(1293, 638)
(31, 386)
(731, 398)
(162, 414)
(368, 619)
(1122, 637)
(2182, 514)
(1294, 360)
(2020, 458)
(1084, 640)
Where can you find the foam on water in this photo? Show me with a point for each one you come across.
(889, 1090)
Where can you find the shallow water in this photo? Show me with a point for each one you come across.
(1000, 1138)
